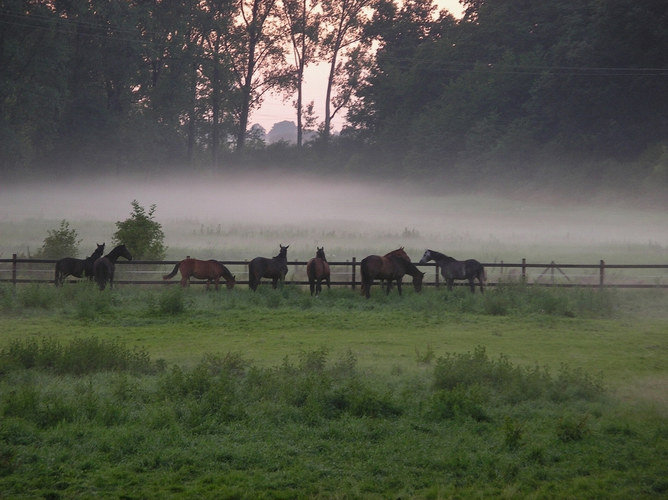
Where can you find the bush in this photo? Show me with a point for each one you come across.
(59, 243)
(141, 234)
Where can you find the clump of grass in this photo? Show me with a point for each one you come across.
(81, 356)
(509, 383)
(37, 296)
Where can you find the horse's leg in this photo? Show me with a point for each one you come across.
(274, 282)
(472, 284)
(311, 285)
(399, 286)
(480, 279)
(451, 282)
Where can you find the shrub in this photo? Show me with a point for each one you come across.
(141, 234)
(59, 243)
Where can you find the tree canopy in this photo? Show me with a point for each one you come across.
(513, 88)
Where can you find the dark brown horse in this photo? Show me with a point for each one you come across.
(77, 267)
(452, 269)
(390, 267)
(275, 268)
(209, 270)
(104, 267)
(317, 269)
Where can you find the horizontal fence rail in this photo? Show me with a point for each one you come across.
(347, 273)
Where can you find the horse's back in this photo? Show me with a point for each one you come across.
(317, 268)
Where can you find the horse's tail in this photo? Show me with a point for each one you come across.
(173, 273)
(310, 269)
(366, 282)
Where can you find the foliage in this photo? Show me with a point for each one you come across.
(141, 234)
(229, 421)
(569, 91)
(82, 356)
(60, 242)
(332, 392)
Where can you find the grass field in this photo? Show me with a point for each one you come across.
(157, 392)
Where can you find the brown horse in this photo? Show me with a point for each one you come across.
(209, 270)
(275, 268)
(389, 267)
(317, 269)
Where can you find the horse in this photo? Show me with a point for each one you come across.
(317, 269)
(77, 267)
(104, 267)
(275, 268)
(210, 270)
(452, 269)
(391, 266)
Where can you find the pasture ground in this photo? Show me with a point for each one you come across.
(158, 392)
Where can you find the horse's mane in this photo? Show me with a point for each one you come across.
(439, 256)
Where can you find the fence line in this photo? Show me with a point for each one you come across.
(552, 274)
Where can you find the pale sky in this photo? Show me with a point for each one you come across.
(274, 109)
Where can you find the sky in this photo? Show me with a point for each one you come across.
(275, 109)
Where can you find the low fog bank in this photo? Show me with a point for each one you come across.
(226, 216)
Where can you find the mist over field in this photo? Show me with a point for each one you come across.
(239, 217)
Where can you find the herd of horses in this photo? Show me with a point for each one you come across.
(388, 268)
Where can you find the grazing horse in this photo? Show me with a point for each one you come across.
(452, 269)
(391, 266)
(104, 267)
(210, 270)
(275, 268)
(317, 269)
(77, 267)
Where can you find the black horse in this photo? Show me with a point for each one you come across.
(452, 269)
(275, 268)
(77, 267)
(389, 267)
(104, 267)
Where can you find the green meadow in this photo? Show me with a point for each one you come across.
(159, 392)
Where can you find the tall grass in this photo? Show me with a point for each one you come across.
(317, 425)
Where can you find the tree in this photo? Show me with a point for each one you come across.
(344, 21)
(303, 25)
(59, 243)
(254, 49)
(141, 234)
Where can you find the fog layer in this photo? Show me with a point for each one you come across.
(232, 217)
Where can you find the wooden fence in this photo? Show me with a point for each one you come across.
(346, 273)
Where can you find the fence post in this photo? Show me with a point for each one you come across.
(601, 276)
(14, 270)
(353, 276)
(438, 284)
(524, 271)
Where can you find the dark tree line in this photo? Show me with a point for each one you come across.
(515, 87)
(518, 85)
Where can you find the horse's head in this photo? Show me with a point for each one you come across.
(99, 251)
(283, 252)
(230, 282)
(417, 282)
(320, 253)
(124, 252)
(426, 257)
